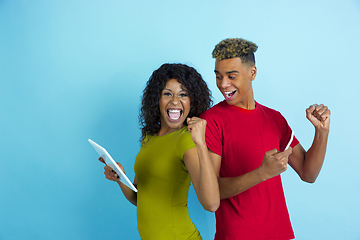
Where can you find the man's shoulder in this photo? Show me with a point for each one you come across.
(271, 113)
(268, 109)
(215, 111)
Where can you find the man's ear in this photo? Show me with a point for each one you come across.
(253, 72)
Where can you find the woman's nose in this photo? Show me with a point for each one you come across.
(175, 100)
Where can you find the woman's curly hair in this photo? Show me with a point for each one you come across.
(199, 93)
(235, 47)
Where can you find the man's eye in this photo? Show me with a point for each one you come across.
(218, 77)
(231, 77)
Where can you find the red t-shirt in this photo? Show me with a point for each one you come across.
(241, 137)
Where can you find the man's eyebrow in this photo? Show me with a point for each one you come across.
(233, 71)
(229, 72)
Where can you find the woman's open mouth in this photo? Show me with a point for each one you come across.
(174, 115)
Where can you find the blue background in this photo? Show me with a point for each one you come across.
(73, 70)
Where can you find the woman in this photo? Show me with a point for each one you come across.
(173, 153)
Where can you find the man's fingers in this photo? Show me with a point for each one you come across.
(317, 110)
(285, 154)
(271, 152)
(279, 155)
(321, 109)
(326, 113)
(310, 109)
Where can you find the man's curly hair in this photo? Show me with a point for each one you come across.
(199, 93)
(235, 47)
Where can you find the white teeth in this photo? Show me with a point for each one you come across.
(228, 94)
(174, 114)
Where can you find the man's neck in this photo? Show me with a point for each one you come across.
(249, 105)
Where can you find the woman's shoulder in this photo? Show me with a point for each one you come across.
(184, 141)
(183, 134)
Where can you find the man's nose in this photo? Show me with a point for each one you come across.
(225, 82)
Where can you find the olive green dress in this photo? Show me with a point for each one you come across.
(163, 184)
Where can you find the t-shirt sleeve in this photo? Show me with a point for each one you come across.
(286, 135)
(213, 134)
(185, 143)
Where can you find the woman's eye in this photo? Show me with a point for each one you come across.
(167, 94)
(183, 95)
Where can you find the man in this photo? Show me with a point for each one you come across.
(247, 146)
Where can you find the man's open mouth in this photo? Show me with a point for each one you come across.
(229, 95)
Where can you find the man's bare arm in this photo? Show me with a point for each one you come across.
(308, 164)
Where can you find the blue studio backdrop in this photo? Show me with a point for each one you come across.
(74, 70)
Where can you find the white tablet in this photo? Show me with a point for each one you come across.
(111, 163)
